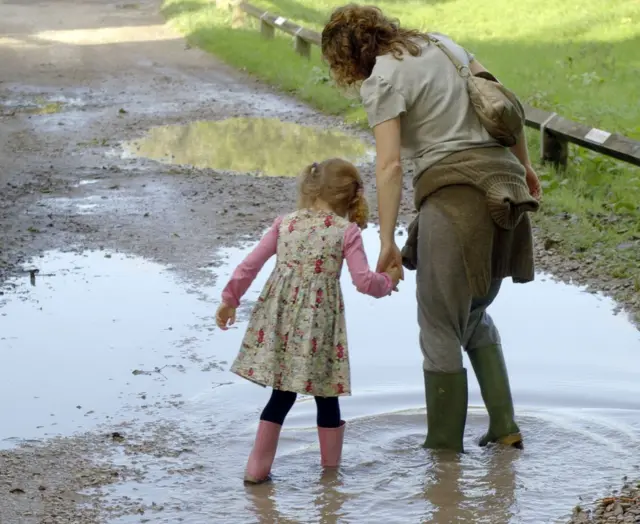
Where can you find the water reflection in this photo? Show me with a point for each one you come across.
(458, 493)
(577, 406)
(262, 502)
(326, 504)
(262, 146)
(330, 497)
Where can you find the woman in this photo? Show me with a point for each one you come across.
(472, 198)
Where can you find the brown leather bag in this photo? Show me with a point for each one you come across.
(498, 108)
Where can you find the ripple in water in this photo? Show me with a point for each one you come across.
(573, 367)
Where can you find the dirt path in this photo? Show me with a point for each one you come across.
(76, 80)
(109, 71)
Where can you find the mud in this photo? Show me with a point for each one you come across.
(102, 341)
(623, 506)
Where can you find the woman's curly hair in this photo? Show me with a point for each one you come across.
(356, 34)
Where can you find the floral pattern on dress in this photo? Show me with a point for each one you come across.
(296, 339)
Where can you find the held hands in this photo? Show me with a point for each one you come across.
(390, 262)
(225, 316)
(395, 273)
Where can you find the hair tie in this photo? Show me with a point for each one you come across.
(314, 167)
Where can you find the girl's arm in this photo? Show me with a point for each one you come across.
(247, 271)
(366, 281)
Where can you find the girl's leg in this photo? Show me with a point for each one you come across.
(330, 430)
(328, 412)
(266, 443)
(278, 406)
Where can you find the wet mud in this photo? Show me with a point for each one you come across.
(118, 403)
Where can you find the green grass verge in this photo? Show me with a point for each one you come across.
(579, 59)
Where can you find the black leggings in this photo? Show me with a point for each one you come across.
(281, 403)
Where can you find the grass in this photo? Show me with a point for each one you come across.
(579, 59)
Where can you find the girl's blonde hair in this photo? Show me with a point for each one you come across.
(339, 184)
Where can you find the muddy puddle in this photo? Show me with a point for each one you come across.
(261, 146)
(104, 337)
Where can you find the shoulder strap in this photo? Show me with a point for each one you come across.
(462, 69)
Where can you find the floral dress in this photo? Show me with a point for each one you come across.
(296, 339)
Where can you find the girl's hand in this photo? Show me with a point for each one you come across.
(395, 274)
(225, 316)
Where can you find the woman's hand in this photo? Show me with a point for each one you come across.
(533, 183)
(390, 256)
(225, 316)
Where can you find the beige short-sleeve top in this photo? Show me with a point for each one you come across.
(430, 98)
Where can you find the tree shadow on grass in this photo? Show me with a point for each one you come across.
(300, 11)
(175, 10)
(422, 3)
(304, 13)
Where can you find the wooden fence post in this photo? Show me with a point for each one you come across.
(553, 149)
(238, 16)
(267, 30)
(302, 47)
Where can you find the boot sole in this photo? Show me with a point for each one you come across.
(252, 481)
(514, 441)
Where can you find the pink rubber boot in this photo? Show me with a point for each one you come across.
(331, 440)
(263, 453)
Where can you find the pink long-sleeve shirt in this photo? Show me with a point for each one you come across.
(365, 280)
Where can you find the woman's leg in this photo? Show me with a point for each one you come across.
(266, 443)
(444, 304)
(330, 430)
(483, 345)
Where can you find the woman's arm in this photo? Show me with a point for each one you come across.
(366, 281)
(249, 268)
(388, 177)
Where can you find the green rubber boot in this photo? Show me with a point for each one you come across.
(491, 372)
(447, 399)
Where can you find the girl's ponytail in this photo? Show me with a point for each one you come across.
(309, 185)
(339, 184)
(359, 210)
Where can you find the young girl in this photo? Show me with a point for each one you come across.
(296, 341)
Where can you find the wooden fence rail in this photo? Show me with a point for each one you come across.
(556, 132)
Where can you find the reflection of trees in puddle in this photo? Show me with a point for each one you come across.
(328, 501)
(485, 494)
(267, 146)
